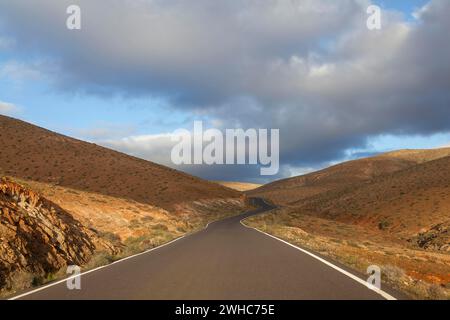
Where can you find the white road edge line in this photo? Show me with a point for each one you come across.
(105, 266)
(381, 292)
(384, 294)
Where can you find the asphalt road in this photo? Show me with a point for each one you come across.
(224, 261)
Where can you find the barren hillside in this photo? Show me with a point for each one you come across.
(239, 186)
(36, 154)
(292, 190)
(392, 210)
(404, 203)
(67, 201)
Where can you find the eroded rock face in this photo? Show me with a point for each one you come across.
(36, 235)
(436, 238)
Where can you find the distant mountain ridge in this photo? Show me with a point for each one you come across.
(291, 190)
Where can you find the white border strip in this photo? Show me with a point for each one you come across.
(107, 265)
(379, 291)
(101, 267)
(385, 295)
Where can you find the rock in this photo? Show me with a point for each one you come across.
(435, 238)
(37, 236)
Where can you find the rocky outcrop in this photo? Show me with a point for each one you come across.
(37, 236)
(436, 238)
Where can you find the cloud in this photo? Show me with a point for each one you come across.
(5, 43)
(105, 131)
(158, 147)
(7, 108)
(308, 67)
(18, 71)
(194, 53)
(154, 148)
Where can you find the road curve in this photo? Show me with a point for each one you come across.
(224, 261)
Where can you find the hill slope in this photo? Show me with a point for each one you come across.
(392, 210)
(33, 153)
(292, 190)
(406, 202)
(67, 201)
(240, 186)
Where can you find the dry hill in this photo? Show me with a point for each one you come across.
(292, 190)
(392, 210)
(239, 186)
(67, 201)
(36, 154)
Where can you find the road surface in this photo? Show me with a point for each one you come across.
(224, 261)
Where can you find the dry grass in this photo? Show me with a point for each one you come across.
(293, 191)
(389, 210)
(130, 203)
(124, 226)
(419, 273)
(122, 218)
(239, 186)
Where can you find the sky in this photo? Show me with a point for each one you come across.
(138, 70)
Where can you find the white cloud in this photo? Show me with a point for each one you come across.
(7, 108)
(104, 130)
(156, 148)
(19, 71)
(308, 67)
(421, 11)
(292, 171)
(5, 43)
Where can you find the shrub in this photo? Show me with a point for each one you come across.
(383, 225)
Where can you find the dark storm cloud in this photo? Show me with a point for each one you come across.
(308, 67)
